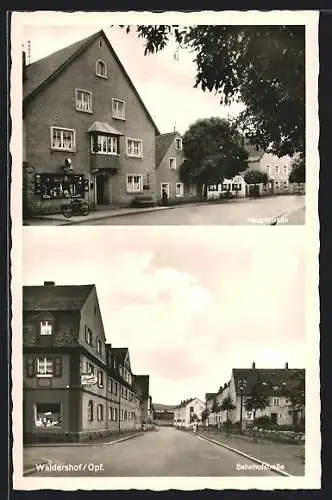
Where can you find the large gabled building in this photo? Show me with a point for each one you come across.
(86, 131)
(75, 385)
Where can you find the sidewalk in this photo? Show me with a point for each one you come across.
(96, 214)
(113, 438)
(289, 455)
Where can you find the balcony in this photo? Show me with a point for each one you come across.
(104, 162)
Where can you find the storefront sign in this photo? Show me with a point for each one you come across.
(88, 379)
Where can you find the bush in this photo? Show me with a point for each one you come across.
(263, 421)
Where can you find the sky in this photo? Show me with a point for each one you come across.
(189, 307)
(164, 83)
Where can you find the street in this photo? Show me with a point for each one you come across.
(166, 452)
(289, 209)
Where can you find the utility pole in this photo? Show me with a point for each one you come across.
(242, 385)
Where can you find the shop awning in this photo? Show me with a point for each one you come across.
(104, 128)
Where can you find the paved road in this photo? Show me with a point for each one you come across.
(166, 452)
(243, 212)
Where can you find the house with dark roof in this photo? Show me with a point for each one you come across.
(86, 131)
(188, 411)
(142, 385)
(75, 385)
(169, 158)
(282, 388)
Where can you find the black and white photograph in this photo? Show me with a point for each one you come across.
(164, 334)
(157, 352)
(163, 125)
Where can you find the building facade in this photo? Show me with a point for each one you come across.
(188, 411)
(169, 157)
(75, 385)
(86, 132)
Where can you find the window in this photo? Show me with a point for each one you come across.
(47, 414)
(285, 170)
(114, 364)
(88, 336)
(90, 368)
(250, 415)
(275, 402)
(99, 347)
(239, 187)
(267, 169)
(105, 144)
(115, 414)
(134, 183)
(276, 169)
(83, 100)
(121, 415)
(62, 139)
(45, 327)
(285, 184)
(110, 414)
(101, 69)
(100, 378)
(90, 411)
(191, 409)
(213, 187)
(164, 188)
(172, 163)
(178, 143)
(115, 388)
(44, 367)
(234, 187)
(118, 109)
(110, 385)
(125, 415)
(100, 412)
(179, 190)
(53, 186)
(134, 148)
(277, 184)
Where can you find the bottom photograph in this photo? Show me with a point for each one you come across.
(151, 353)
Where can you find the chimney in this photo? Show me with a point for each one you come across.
(286, 365)
(49, 283)
(254, 365)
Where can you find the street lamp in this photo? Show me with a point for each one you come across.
(242, 384)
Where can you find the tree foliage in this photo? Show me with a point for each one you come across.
(256, 401)
(261, 66)
(255, 177)
(297, 173)
(213, 150)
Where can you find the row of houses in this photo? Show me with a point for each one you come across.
(87, 134)
(76, 386)
(282, 390)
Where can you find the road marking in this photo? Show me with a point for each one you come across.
(253, 459)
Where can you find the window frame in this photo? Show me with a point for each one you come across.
(41, 327)
(115, 115)
(176, 143)
(63, 129)
(47, 360)
(101, 138)
(90, 109)
(100, 412)
(100, 378)
(131, 155)
(172, 159)
(105, 67)
(181, 195)
(140, 176)
(99, 347)
(35, 412)
(161, 188)
(90, 410)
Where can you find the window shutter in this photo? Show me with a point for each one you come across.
(57, 367)
(30, 367)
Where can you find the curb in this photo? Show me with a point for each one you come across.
(253, 459)
(91, 443)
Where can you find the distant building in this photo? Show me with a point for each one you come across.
(86, 131)
(142, 387)
(188, 411)
(163, 414)
(169, 157)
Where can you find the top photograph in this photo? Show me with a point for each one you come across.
(164, 125)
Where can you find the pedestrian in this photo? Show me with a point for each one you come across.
(195, 428)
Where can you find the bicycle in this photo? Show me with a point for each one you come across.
(75, 207)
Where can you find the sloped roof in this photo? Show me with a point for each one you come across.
(163, 143)
(39, 72)
(142, 384)
(43, 71)
(210, 395)
(104, 127)
(185, 403)
(268, 378)
(55, 298)
(120, 353)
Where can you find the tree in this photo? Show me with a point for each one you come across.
(261, 66)
(256, 401)
(255, 177)
(227, 406)
(296, 396)
(297, 173)
(205, 414)
(193, 418)
(213, 150)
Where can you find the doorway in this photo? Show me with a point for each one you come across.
(102, 189)
(274, 418)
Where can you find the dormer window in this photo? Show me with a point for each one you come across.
(178, 143)
(101, 69)
(46, 327)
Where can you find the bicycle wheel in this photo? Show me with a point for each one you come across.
(85, 209)
(67, 210)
